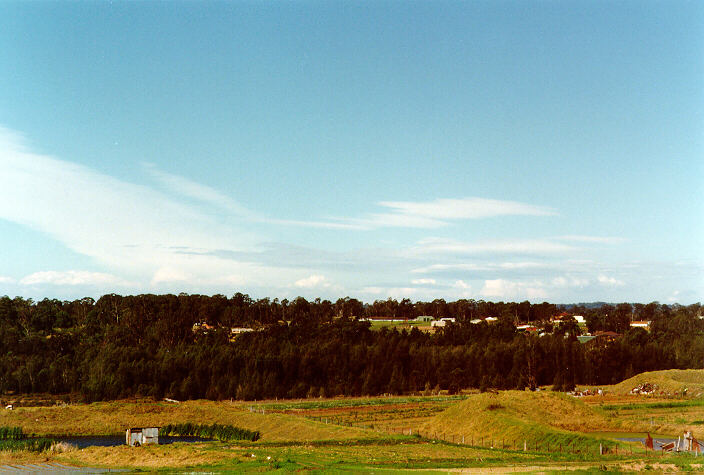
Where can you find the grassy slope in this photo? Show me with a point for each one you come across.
(334, 458)
(669, 381)
(114, 417)
(541, 417)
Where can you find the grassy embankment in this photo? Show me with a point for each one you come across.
(670, 413)
(670, 382)
(389, 414)
(112, 418)
(293, 440)
(547, 420)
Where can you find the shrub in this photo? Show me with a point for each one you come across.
(214, 431)
(11, 433)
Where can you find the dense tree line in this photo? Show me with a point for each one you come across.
(146, 345)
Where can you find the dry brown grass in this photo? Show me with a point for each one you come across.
(161, 456)
(541, 417)
(670, 382)
(11, 457)
(114, 417)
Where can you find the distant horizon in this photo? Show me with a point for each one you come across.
(364, 302)
(504, 151)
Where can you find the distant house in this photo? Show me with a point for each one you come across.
(424, 318)
(526, 328)
(136, 437)
(608, 336)
(442, 322)
(381, 319)
(487, 320)
(201, 327)
(559, 318)
(238, 330)
(641, 324)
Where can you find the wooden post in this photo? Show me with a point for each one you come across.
(525, 446)
(601, 450)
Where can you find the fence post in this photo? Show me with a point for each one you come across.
(601, 450)
(525, 446)
(462, 440)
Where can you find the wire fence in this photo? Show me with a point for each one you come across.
(578, 448)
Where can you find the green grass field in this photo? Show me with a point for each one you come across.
(474, 432)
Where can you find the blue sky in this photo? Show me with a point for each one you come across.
(496, 150)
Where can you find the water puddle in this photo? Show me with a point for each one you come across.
(657, 441)
(84, 441)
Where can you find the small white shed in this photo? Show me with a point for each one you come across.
(142, 436)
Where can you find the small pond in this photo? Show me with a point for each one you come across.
(84, 441)
(657, 441)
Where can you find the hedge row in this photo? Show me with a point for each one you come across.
(214, 431)
(11, 433)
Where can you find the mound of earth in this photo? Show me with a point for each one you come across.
(516, 416)
(668, 382)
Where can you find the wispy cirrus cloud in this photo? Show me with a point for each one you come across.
(443, 211)
(74, 277)
(404, 214)
(591, 239)
(506, 289)
(479, 267)
(128, 228)
(206, 194)
(198, 191)
(498, 246)
(180, 235)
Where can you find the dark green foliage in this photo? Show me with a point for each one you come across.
(34, 445)
(215, 431)
(146, 345)
(11, 433)
(12, 438)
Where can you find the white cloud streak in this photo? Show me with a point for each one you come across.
(184, 186)
(592, 239)
(423, 282)
(505, 289)
(442, 211)
(73, 277)
(312, 282)
(129, 228)
(506, 246)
